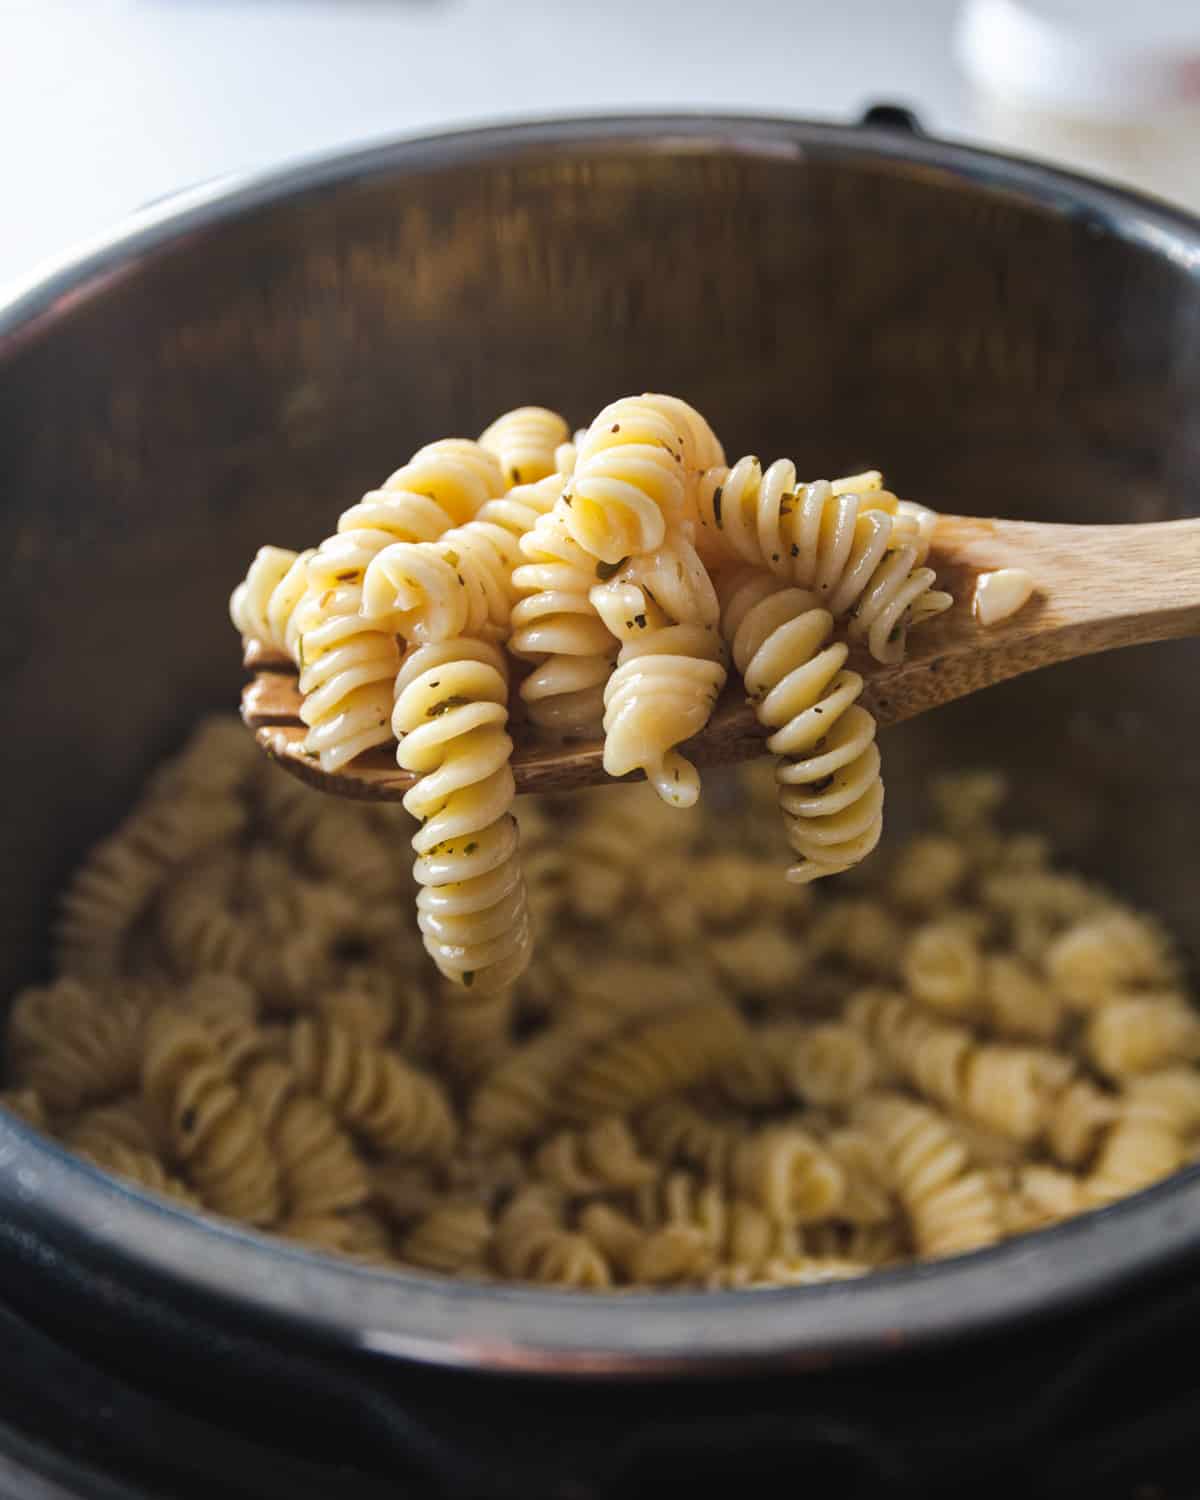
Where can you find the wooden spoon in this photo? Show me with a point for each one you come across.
(1096, 588)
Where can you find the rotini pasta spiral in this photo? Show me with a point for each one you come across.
(73, 1046)
(828, 1065)
(789, 1174)
(943, 966)
(142, 1168)
(604, 1155)
(391, 1105)
(1170, 1095)
(831, 793)
(450, 720)
(214, 1135)
(1140, 1033)
(735, 1231)
(460, 584)
(850, 543)
(453, 1237)
(525, 442)
(124, 1122)
(669, 672)
(265, 605)
(517, 1098)
(349, 660)
(654, 1257)
(679, 1133)
(320, 1173)
(555, 626)
(1135, 1153)
(1080, 1116)
(1006, 1089)
(652, 1056)
(532, 1243)
(1098, 956)
(634, 470)
(951, 1209)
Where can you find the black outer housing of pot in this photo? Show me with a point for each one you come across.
(1005, 338)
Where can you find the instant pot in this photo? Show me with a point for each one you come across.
(238, 364)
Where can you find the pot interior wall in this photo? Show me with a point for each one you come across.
(250, 379)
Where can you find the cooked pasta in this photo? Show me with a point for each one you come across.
(450, 720)
(1100, 957)
(452, 1237)
(348, 660)
(950, 1208)
(650, 1057)
(943, 967)
(635, 468)
(74, 1046)
(829, 1065)
(680, 1133)
(663, 609)
(265, 605)
(648, 1257)
(533, 1244)
(602, 1156)
(212, 1132)
(392, 1106)
(790, 1175)
(460, 584)
(556, 627)
(849, 544)
(831, 792)
(525, 443)
(1137, 1034)
(516, 1100)
(1006, 1089)
(707, 1077)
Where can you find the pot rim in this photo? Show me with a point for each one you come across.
(487, 1326)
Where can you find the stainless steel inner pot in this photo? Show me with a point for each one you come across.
(239, 364)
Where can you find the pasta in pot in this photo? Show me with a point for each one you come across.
(722, 1105)
(689, 1086)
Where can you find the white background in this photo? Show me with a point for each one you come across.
(106, 104)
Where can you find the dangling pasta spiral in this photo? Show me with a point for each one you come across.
(460, 584)
(556, 627)
(526, 442)
(669, 671)
(852, 543)
(830, 787)
(633, 471)
(450, 717)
